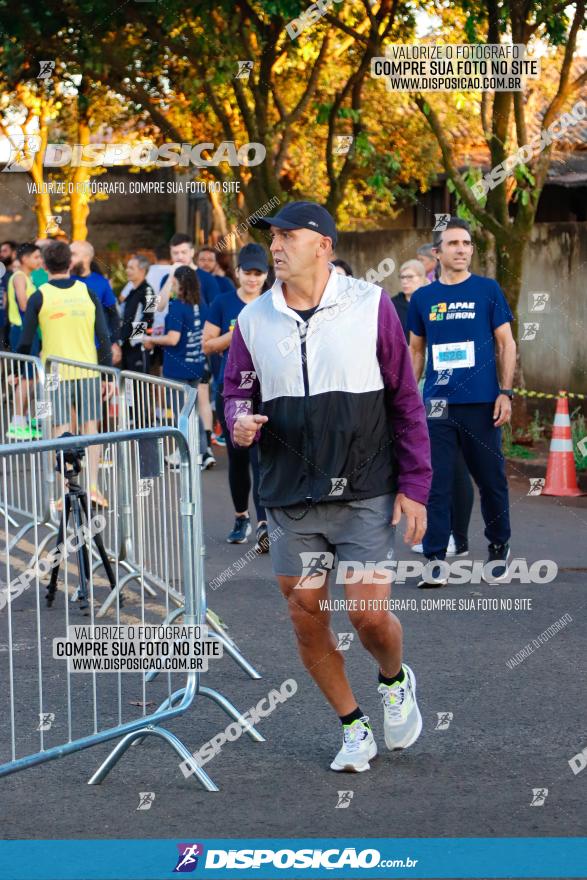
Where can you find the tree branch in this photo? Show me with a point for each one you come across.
(483, 216)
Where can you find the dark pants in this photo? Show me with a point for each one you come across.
(463, 497)
(470, 428)
(241, 461)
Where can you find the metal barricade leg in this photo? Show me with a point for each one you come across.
(117, 753)
(236, 655)
(231, 710)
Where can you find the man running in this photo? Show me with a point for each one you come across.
(464, 320)
(319, 373)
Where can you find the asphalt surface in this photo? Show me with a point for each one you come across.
(511, 731)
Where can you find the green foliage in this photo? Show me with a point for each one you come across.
(537, 427)
(510, 448)
(578, 433)
(117, 276)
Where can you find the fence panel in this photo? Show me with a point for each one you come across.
(48, 709)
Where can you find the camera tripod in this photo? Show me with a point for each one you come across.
(76, 504)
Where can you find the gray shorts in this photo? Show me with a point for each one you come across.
(83, 395)
(352, 530)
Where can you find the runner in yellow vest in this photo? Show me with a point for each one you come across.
(20, 288)
(70, 319)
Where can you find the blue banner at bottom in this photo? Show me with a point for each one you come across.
(274, 858)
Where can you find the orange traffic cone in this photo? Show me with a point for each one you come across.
(561, 476)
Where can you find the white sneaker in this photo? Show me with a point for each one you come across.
(433, 575)
(402, 722)
(451, 550)
(358, 748)
(173, 460)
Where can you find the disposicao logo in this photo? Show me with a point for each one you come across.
(188, 857)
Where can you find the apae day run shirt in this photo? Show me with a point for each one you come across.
(223, 314)
(458, 321)
(184, 361)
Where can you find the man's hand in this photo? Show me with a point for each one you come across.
(148, 343)
(14, 379)
(502, 411)
(246, 427)
(415, 514)
(116, 353)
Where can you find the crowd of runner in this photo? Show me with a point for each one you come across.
(341, 408)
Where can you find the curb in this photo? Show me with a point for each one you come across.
(536, 467)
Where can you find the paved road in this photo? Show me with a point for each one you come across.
(512, 730)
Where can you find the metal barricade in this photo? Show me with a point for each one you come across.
(83, 399)
(145, 401)
(23, 417)
(48, 710)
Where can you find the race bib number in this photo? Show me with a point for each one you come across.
(454, 355)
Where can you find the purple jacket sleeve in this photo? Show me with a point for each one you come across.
(408, 416)
(242, 391)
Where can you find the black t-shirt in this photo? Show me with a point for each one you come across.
(305, 314)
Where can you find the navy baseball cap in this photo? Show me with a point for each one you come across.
(253, 256)
(301, 215)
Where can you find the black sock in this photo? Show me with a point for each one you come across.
(397, 679)
(209, 437)
(355, 715)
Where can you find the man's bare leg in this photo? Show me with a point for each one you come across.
(379, 630)
(317, 643)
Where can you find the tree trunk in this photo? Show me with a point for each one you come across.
(510, 263)
(79, 198)
(219, 224)
(43, 209)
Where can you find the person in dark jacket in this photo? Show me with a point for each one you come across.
(319, 374)
(412, 275)
(138, 311)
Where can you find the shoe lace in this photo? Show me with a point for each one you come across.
(392, 698)
(354, 734)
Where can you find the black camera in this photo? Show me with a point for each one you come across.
(72, 457)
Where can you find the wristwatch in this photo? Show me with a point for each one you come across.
(507, 391)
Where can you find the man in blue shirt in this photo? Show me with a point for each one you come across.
(82, 254)
(208, 261)
(464, 322)
(182, 251)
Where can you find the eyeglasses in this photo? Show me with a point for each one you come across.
(407, 277)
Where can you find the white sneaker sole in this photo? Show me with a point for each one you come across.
(352, 768)
(501, 579)
(410, 740)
